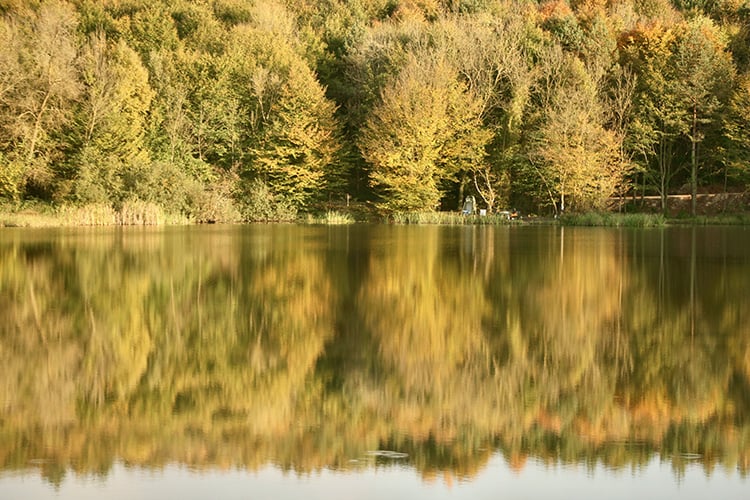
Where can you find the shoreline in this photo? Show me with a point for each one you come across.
(43, 216)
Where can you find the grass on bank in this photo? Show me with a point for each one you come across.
(652, 220)
(132, 213)
(739, 219)
(606, 219)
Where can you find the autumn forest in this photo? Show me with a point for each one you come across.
(230, 110)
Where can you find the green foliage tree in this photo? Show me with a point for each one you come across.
(112, 120)
(148, 29)
(736, 134)
(169, 127)
(659, 115)
(212, 110)
(291, 138)
(372, 59)
(685, 75)
(705, 73)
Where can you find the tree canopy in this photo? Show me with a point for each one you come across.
(200, 106)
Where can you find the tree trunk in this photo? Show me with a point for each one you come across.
(37, 128)
(694, 162)
(665, 167)
(562, 203)
(461, 188)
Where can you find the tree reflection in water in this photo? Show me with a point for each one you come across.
(313, 347)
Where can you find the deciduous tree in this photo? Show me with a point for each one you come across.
(291, 136)
(576, 157)
(492, 57)
(112, 120)
(658, 115)
(40, 85)
(425, 129)
(705, 74)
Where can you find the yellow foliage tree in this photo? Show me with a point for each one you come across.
(426, 128)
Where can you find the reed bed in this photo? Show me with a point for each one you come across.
(93, 214)
(332, 218)
(447, 218)
(141, 213)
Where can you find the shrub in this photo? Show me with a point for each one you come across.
(206, 205)
(11, 178)
(98, 180)
(261, 205)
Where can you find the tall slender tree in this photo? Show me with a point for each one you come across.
(705, 74)
(659, 118)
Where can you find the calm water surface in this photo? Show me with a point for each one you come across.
(374, 362)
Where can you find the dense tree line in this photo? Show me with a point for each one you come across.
(239, 109)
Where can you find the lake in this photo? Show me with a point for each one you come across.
(374, 361)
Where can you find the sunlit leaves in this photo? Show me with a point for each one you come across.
(684, 74)
(39, 85)
(112, 118)
(292, 137)
(575, 156)
(424, 130)
(291, 93)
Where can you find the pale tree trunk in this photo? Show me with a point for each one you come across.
(486, 192)
(694, 161)
(665, 167)
(37, 128)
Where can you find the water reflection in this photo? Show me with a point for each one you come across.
(311, 348)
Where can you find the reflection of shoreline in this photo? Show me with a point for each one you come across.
(431, 460)
(296, 349)
(538, 479)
